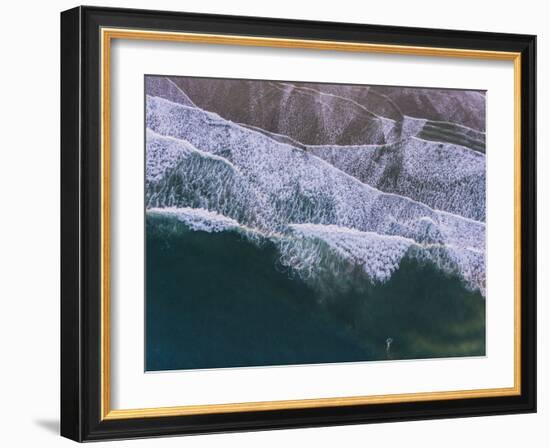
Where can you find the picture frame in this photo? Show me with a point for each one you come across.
(87, 176)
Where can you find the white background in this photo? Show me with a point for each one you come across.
(29, 237)
(132, 388)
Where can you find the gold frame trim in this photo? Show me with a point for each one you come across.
(107, 35)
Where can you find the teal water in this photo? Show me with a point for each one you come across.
(218, 300)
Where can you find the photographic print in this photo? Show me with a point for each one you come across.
(292, 223)
(300, 238)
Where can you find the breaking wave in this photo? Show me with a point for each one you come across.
(212, 175)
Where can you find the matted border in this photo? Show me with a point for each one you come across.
(107, 35)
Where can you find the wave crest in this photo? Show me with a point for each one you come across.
(324, 221)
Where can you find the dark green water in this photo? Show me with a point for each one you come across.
(217, 300)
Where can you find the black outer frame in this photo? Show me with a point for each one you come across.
(80, 224)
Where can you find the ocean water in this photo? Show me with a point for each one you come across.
(221, 299)
(290, 224)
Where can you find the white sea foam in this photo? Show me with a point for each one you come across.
(199, 179)
(165, 153)
(378, 255)
(201, 161)
(442, 175)
(198, 218)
